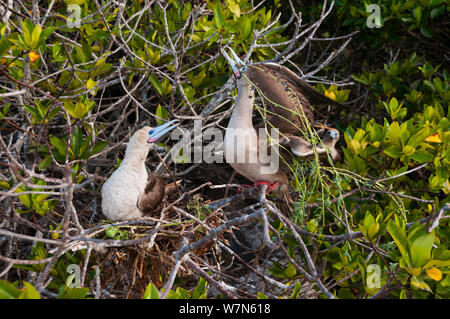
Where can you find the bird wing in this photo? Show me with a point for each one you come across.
(311, 94)
(288, 96)
(153, 194)
(303, 148)
(298, 146)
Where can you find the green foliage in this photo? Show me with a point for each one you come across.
(116, 233)
(418, 257)
(10, 291)
(404, 124)
(423, 138)
(396, 19)
(33, 199)
(80, 147)
(199, 292)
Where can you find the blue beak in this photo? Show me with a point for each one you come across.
(159, 131)
(235, 64)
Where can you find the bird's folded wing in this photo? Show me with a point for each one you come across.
(153, 194)
(298, 145)
(302, 148)
(283, 74)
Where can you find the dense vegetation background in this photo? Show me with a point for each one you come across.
(78, 77)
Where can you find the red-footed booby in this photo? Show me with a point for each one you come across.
(131, 191)
(288, 100)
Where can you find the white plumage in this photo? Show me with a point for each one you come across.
(121, 192)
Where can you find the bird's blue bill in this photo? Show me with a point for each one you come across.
(159, 131)
(237, 65)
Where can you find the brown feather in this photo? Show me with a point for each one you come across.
(283, 87)
(153, 194)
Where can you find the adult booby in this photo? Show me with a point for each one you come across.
(287, 102)
(131, 191)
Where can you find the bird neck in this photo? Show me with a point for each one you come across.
(243, 110)
(135, 155)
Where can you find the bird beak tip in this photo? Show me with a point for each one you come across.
(162, 130)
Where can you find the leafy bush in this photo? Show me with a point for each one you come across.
(372, 225)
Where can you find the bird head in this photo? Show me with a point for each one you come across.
(236, 64)
(330, 140)
(141, 141)
(333, 134)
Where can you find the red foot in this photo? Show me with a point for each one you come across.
(257, 183)
(269, 186)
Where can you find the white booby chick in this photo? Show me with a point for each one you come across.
(131, 191)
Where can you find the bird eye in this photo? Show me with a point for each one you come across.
(150, 132)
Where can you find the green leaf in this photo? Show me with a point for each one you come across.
(427, 69)
(433, 3)
(373, 230)
(245, 26)
(408, 150)
(260, 295)
(98, 147)
(26, 33)
(35, 36)
(162, 113)
(345, 293)
(74, 293)
(393, 151)
(8, 290)
(235, 9)
(35, 112)
(403, 294)
(45, 162)
(419, 137)
(296, 291)
(182, 293)
(419, 284)
(219, 16)
(394, 133)
(60, 144)
(90, 84)
(290, 271)
(77, 140)
(46, 33)
(399, 237)
(151, 292)
(438, 263)
(29, 292)
(200, 290)
(156, 84)
(420, 248)
(5, 44)
(418, 13)
(368, 220)
(111, 232)
(86, 47)
(437, 12)
(422, 156)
